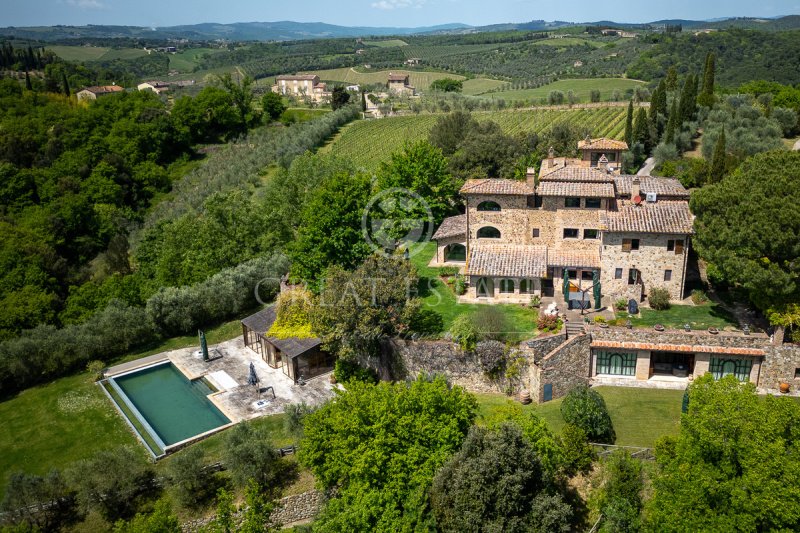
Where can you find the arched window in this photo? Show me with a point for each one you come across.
(728, 368)
(485, 287)
(488, 206)
(455, 252)
(615, 364)
(507, 285)
(526, 286)
(488, 232)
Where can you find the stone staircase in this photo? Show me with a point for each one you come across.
(574, 329)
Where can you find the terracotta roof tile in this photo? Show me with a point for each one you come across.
(584, 189)
(507, 260)
(658, 217)
(694, 348)
(602, 144)
(496, 186)
(452, 227)
(299, 77)
(398, 77)
(661, 186)
(573, 258)
(575, 173)
(102, 89)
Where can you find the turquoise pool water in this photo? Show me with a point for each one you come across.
(174, 407)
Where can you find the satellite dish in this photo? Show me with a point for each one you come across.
(637, 199)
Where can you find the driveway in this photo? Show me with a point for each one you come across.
(649, 164)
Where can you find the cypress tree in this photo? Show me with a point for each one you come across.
(653, 113)
(672, 79)
(629, 125)
(28, 81)
(65, 83)
(672, 123)
(641, 128)
(686, 106)
(718, 159)
(706, 97)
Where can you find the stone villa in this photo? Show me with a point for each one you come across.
(399, 84)
(578, 220)
(302, 85)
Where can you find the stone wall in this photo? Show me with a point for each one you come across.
(287, 510)
(673, 336)
(780, 366)
(651, 260)
(565, 367)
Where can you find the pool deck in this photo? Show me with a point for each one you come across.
(237, 401)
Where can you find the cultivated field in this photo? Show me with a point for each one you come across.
(481, 85)
(369, 142)
(388, 43)
(187, 60)
(79, 53)
(567, 41)
(581, 88)
(420, 80)
(439, 51)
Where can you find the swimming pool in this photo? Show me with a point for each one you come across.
(170, 407)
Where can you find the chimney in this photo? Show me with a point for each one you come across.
(635, 187)
(550, 157)
(530, 177)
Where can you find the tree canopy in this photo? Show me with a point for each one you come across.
(748, 226)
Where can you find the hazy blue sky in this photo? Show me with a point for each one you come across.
(373, 12)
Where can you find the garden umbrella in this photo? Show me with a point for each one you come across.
(203, 344)
(596, 290)
(566, 286)
(252, 379)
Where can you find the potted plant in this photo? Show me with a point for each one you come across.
(658, 327)
(713, 330)
(784, 388)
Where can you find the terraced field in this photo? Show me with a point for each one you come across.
(581, 88)
(369, 142)
(419, 79)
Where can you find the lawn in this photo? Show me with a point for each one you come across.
(79, 53)
(55, 424)
(419, 79)
(581, 88)
(697, 316)
(439, 297)
(478, 86)
(640, 416)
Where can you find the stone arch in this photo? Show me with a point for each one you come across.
(456, 252)
(489, 232)
(489, 205)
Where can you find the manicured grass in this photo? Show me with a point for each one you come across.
(419, 79)
(78, 53)
(58, 423)
(640, 416)
(697, 316)
(388, 43)
(581, 88)
(477, 86)
(439, 297)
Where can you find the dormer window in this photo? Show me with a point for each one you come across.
(572, 201)
(488, 206)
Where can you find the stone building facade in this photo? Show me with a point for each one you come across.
(302, 85)
(577, 219)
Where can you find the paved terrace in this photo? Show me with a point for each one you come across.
(236, 398)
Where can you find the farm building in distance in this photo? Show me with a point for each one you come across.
(303, 86)
(398, 84)
(578, 225)
(157, 87)
(95, 92)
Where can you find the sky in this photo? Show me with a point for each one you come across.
(394, 13)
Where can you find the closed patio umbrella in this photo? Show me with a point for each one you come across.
(252, 379)
(566, 286)
(596, 293)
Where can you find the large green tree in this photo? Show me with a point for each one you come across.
(272, 104)
(706, 96)
(585, 408)
(381, 445)
(492, 484)
(748, 226)
(734, 465)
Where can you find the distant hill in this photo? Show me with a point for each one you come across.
(288, 30)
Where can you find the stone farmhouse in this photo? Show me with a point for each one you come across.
(302, 85)
(95, 92)
(157, 87)
(398, 84)
(578, 224)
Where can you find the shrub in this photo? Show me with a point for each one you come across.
(460, 285)
(191, 483)
(95, 369)
(621, 304)
(295, 413)
(599, 320)
(548, 323)
(585, 408)
(464, 332)
(448, 271)
(577, 454)
(348, 371)
(491, 355)
(536, 301)
(250, 454)
(658, 298)
(699, 297)
(620, 499)
(594, 95)
(491, 323)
